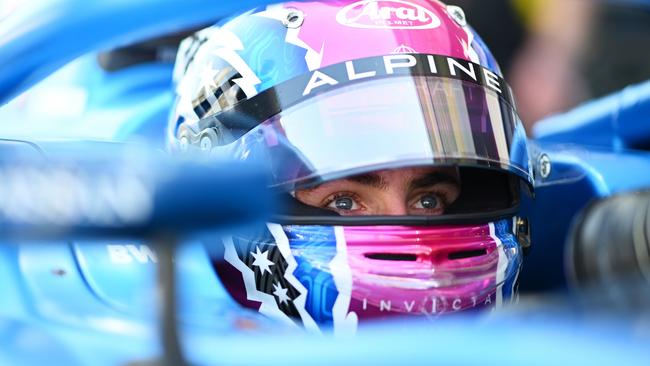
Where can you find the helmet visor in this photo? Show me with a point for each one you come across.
(388, 123)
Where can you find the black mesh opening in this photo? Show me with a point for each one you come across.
(467, 254)
(397, 257)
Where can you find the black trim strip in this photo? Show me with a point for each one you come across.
(455, 219)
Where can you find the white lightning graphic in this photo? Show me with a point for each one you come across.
(226, 46)
(268, 305)
(502, 265)
(313, 58)
(469, 50)
(345, 321)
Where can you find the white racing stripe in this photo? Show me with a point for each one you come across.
(345, 321)
(502, 266)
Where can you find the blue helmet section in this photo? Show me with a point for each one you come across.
(504, 230)
(319, 282)
(266, 50)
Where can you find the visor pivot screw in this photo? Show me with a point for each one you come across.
(544, 164)
(294, 19)
(457, 14)
(206, 143)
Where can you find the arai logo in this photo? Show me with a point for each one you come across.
(387, 14)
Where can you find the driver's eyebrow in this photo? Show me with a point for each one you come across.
(433, 179)
(370, 179)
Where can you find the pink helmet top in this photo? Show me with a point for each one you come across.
(345, 30)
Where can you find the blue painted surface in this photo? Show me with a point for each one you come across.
(80, 26)
(591, 174)
(616, 122)
(592, 155)
(123, 191)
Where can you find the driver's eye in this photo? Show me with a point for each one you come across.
(429, 202)
(343, 203)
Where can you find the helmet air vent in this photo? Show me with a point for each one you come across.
(398, 257)
(464, 254)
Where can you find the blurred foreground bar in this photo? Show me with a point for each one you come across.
(119, 191)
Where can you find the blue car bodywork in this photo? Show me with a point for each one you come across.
(93, 302)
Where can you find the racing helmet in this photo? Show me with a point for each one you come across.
(323, 91)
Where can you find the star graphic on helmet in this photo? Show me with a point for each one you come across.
(281, 293)
(262, 261)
